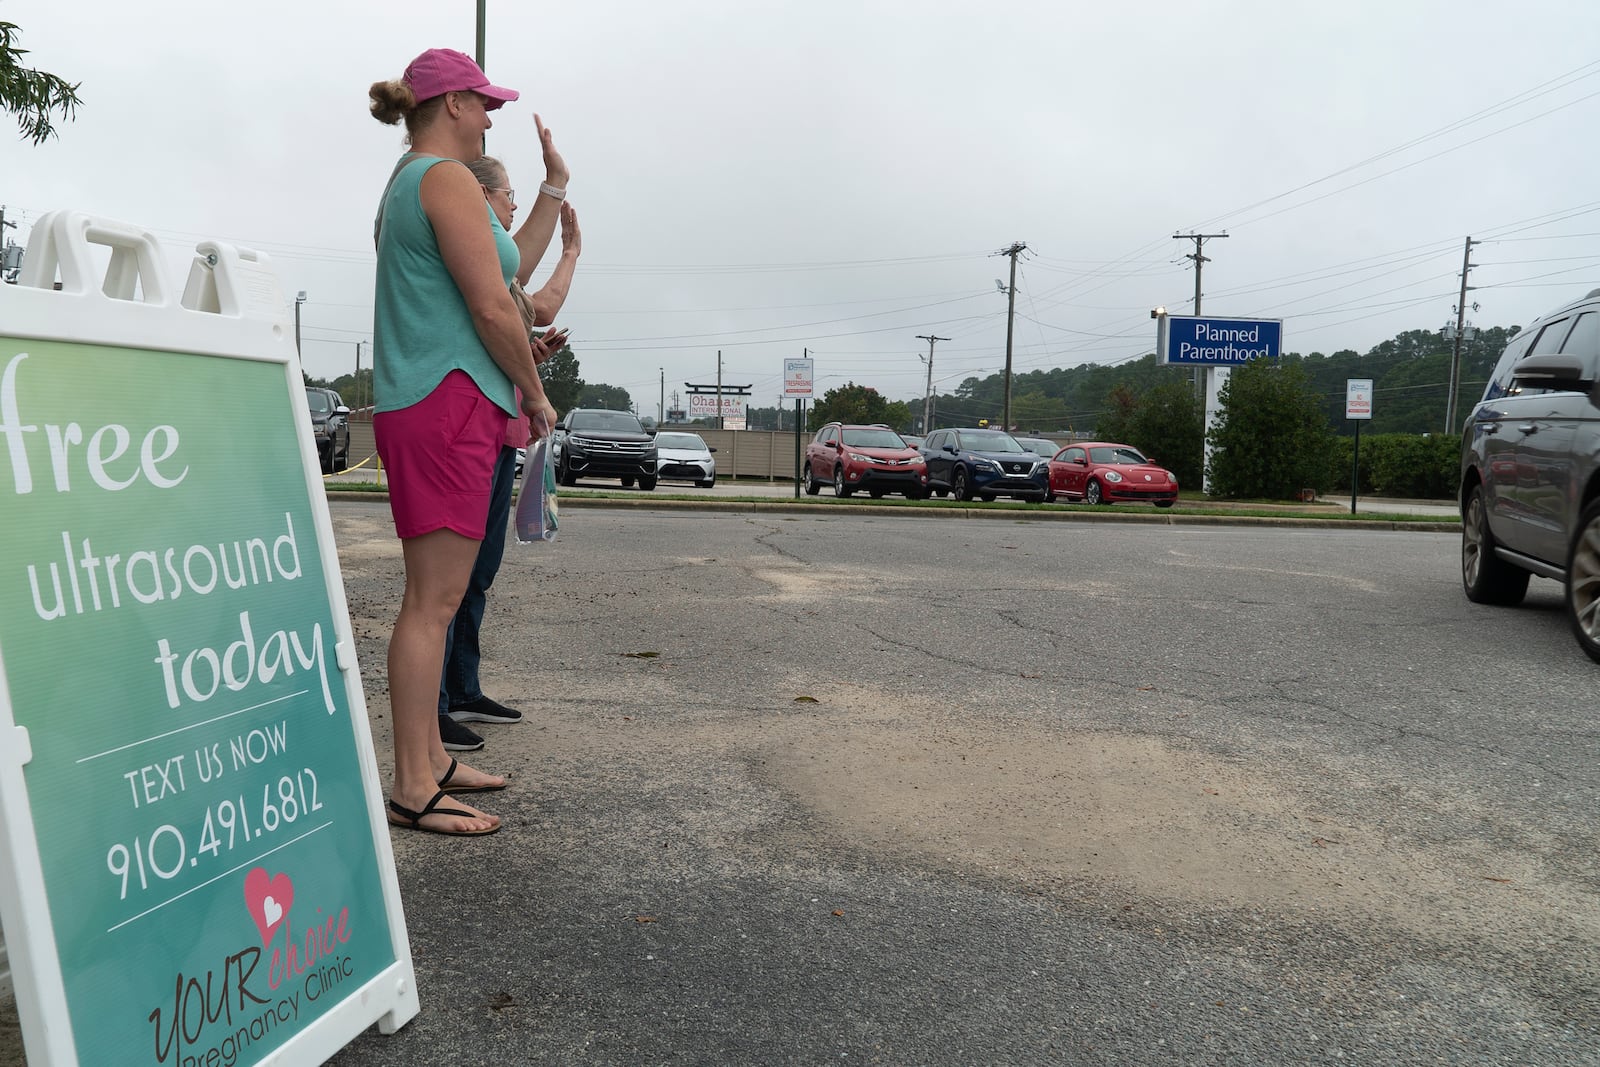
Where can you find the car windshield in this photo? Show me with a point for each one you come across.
(1039, 445)
(990, 441)
(319, 403)
(681, 440)
(873, 438)
(1116, 454)
(606, 420)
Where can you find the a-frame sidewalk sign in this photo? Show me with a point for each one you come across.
(194, 864)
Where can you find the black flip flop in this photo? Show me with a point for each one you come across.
(415, 818)
(445, 786)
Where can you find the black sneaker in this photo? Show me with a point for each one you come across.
(484, 710)
(458, 738)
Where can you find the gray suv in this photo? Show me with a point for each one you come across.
(1530, 470)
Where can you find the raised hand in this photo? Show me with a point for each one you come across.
(571, 236)
(555, 168)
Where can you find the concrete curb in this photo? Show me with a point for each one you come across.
(979, 512)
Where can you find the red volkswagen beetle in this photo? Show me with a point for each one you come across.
(1102, 473)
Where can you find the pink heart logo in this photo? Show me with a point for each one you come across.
(268, 900)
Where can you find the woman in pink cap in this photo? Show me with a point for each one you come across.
(450, 354)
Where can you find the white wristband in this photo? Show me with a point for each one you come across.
(549, 190)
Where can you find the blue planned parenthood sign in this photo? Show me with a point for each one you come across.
(1193, 339)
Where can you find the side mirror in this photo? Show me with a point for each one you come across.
(838, 446)
(341, 410)
(711, 449)
(1552, 371)
(950, 449)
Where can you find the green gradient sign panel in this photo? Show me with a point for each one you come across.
(169, 645)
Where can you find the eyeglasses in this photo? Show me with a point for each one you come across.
(511, 194)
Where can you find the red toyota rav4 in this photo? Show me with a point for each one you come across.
(872, 458)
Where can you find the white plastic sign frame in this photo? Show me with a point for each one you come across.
(189, 798)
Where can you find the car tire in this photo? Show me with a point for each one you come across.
(813, 487)
(1486, 578)
(1050, 497)
(342, 462)
(627, 483)
(876, 494)
(958, 485)
(1163, 503)
(1091, 493)
(839, 488)
(565, 476)
(987, 498)
(707, 484)
(1583, 581)
(647, 484)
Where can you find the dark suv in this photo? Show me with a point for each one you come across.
(330, 425)
(1530, 470)
(596, 443)
(984, 463)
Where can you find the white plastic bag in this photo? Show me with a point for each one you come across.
(536, 497)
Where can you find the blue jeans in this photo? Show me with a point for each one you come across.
(459, 683)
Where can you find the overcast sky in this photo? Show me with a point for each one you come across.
(767, 178)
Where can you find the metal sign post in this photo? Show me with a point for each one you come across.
(797, 379)
(1357, 409)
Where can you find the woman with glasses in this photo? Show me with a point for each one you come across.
(450, 355)
(461, 696)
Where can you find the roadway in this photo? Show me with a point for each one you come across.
(846, 787)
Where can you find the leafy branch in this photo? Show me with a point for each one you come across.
(32, 95)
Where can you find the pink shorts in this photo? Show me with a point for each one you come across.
(439, 456)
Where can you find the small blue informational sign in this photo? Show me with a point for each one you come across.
(1208, 342)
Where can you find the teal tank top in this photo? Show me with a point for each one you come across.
(421, 327)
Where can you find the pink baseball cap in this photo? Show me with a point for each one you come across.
(444, 70)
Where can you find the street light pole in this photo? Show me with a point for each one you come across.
(299, 298)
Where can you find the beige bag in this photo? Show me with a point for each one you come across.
(525, 306)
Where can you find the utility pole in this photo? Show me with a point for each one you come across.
(483, 142)
(1016, 249)
(927, 396)
(1200, 260)
(1455, 354)
(719, 388)
(10, 254)
(661, 411)
(1208, 381)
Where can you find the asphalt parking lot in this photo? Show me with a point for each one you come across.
(847, 787)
